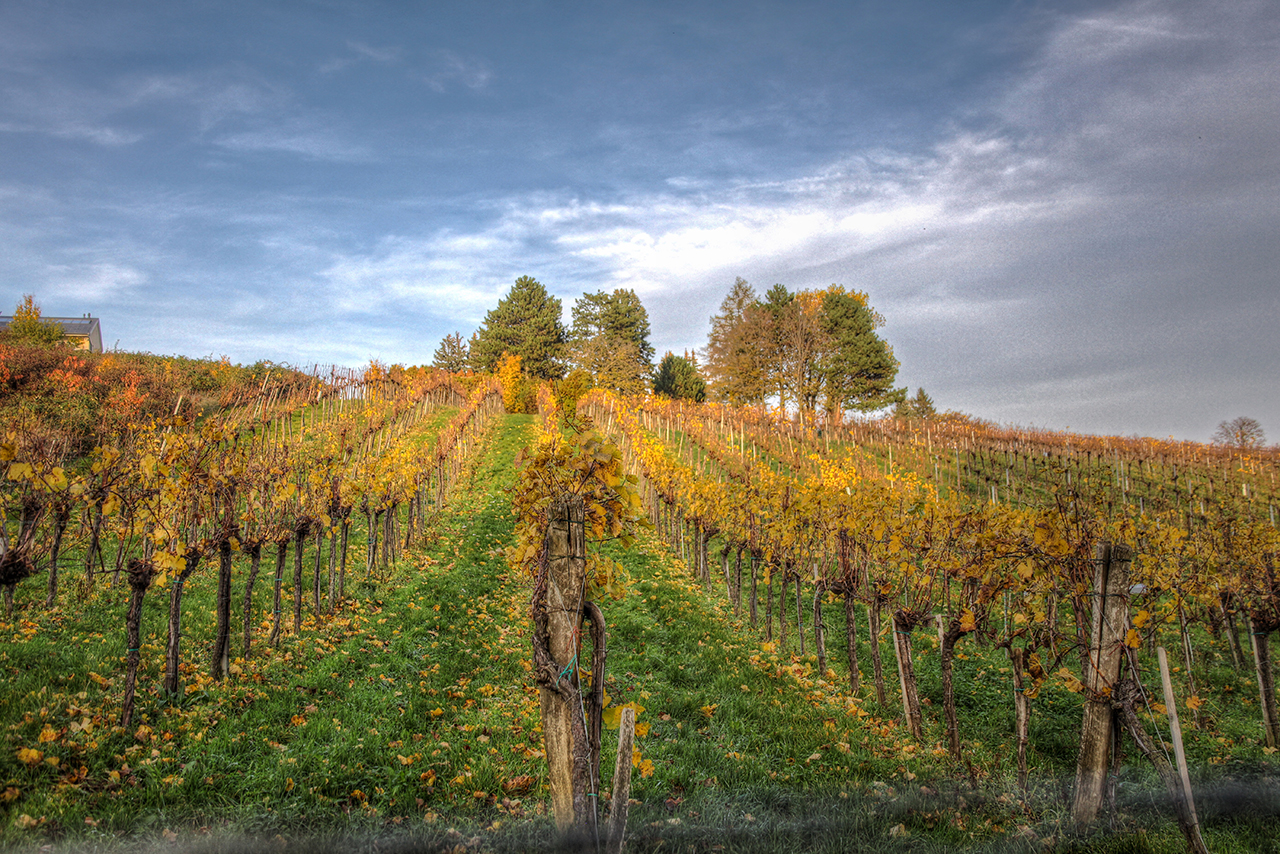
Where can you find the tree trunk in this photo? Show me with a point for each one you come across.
(333, 569)
(342, 563)
(1233, 629)
(1124, 697)
(141, 573)
(61, 516)
(851, 642)
(949, 635)
(799, 615)
(315, 575)
(255, 563)
(299, 543)
(95, 544)
(173, 654)
(1021, 710)
(768, 606)
(877, 662)
(782, 614)
(737, 583)
(282, 553)
(220, 661)
(819, 632)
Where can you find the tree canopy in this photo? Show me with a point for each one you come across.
(813, 348)
(1242, 432)
(678, 378)
(738, 348)
(609, 340)
(525, 323)
(453, 354)
(919, 407)
(27, 325)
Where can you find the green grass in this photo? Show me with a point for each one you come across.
(409, 718)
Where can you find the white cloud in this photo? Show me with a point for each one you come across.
(315, 143)
(450, 68)
(95, 283)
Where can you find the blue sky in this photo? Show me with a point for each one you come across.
(1066, 211)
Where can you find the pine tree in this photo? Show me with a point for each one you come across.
(526, 323)
(678, 378)
(610, 340)
(860, 368)
(453, 354)
(919, 407)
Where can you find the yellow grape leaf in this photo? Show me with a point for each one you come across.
(48, 734)
(1194, 702)
(612, 716)
(968, 622)
(20, 471)
(1133, 640)
(1141, 619)
(28, 756)
(1026, 569)
(1073, 684)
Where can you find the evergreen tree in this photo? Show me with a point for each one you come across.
(610, 340)
(678, 378)
(526, 323)
(453, 354)
(918, 407)
(619, 315)
(778, 310)
(859, 369)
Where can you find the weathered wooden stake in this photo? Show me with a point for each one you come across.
(1260, 639)
(907, 674)
(620, 801)
(1102, 672)
(1022, 711)
(565, 590)
(1188, 810)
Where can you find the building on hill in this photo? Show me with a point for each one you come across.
(83, 333)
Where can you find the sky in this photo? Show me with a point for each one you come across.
(1067, 212)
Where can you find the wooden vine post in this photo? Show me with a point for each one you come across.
(570, 721)
(1260, 637)
(1102, 673)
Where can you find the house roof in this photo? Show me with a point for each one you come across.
(74, 327)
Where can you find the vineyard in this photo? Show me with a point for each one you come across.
(995, 596)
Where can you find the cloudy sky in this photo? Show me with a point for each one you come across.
(1068, 212)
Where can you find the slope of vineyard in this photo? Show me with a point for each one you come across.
(403, 707)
